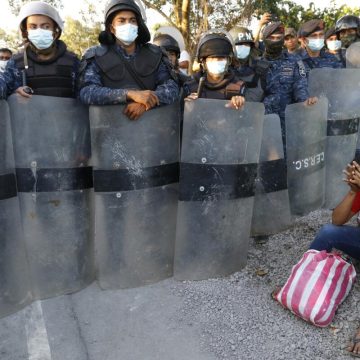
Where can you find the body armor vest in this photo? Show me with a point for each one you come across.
(225, 90)
(138, 72)
(50, 77)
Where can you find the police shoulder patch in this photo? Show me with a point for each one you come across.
(98, 50)
(302, 70)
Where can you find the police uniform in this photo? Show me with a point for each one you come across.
(245, 68)
(215, 44)
(325, 59)
(230, 86)
(105, 79)
(285, 83)
(55, 76)
(283, 78)
(108, 72)
(340, 54)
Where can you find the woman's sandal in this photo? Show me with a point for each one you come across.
(355, 341)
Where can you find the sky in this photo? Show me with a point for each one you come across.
(71, 8)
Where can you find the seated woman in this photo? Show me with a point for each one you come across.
(216, 80)
(344, 237)
(337, 235)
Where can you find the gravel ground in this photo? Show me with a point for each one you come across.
(231, 318)
(239, 320)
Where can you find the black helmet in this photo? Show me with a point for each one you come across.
(242, 35)
(348, 22)
(214, 44)
(113, 6)
(330, 32)
(167, 42)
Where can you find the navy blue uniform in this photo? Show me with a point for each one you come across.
(324, 60)
(93, 91)
(285, 83)
(12, 78)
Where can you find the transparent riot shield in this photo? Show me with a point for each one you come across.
(341, 87)
(136, 190)
(353, 56)
(271, 204)
(52, 150)
(14, 280)
(219, 157)
(305, 147)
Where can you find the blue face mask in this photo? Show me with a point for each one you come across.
(126, 33)
(333, 45)
(316, 44)
(216, 67)
(242, 51)
(3, 64)
(40, 38)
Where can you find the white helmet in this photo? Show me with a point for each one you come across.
(39, 8)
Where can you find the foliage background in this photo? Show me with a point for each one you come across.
(191, 17)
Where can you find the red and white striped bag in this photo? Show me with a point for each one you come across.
(318, 284)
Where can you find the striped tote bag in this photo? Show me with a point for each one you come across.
(317, 285)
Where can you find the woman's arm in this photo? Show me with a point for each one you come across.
(343, 212)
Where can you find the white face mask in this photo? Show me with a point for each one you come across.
(40, 38)
(316, 44)
(3, 65)
(126, 33)
(216, 67)
(333, 45)
(184, 71)
(242, 51)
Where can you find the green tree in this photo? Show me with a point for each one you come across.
(9, 39)
(333, 13)
(15, 5)
(78, 36)
(194, 17)
(293, 15)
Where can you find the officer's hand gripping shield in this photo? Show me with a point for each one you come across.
(136, 191)
(220, 152)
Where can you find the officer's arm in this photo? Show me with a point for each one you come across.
(92, 91)
(167, 89)
(10, 80)
(300, 87)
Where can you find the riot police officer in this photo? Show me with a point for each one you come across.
(333, 44)
(311, 35)
(172, 49)
(245, 61)
(5, 55)
(45, 66)
(283, 78)
(291, 41)
(246, 51)
(216, 79)
(125, 68)
(348, 30)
